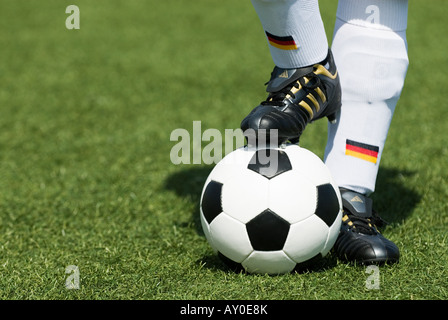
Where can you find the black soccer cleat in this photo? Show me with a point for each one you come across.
(359, 239)
(296, 97)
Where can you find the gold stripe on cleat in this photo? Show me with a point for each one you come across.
(306, 106)
(321, 94)
(320, 69)
(314, 101)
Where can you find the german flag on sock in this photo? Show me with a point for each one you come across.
(284, 43)
(361, 150)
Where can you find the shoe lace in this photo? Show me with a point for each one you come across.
(277, 98)
(366, 225)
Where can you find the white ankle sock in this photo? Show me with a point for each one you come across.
(294, 30)
(370, 51)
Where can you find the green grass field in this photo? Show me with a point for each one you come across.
(85, 171)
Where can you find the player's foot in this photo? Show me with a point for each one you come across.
(296, 97)
(359, 239)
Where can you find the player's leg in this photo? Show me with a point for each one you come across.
(294, 30)
(304, 85)
(370, 49)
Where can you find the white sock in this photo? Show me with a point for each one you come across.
(294, 30)
(370, 51)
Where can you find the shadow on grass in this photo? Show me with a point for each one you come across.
(188, 183)
(218, 263)
(392, 200)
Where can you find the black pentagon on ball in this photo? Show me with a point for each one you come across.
(267, 231)
(211, 201)
(270, 162)
(327, 203)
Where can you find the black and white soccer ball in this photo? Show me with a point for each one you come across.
(270, 210)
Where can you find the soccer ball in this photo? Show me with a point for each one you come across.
(270, 210)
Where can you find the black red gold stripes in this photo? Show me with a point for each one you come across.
(284, 43)
(362, 150)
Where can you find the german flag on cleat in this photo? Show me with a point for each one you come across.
(361, 150)
(284, 43)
